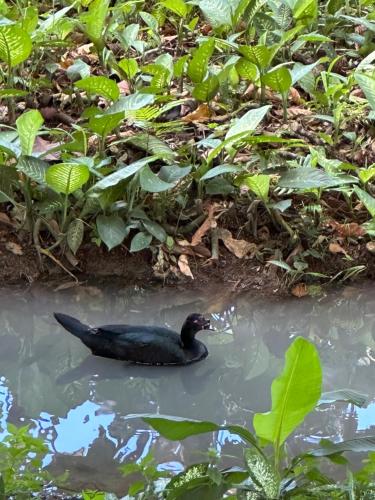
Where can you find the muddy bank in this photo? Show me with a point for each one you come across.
(19, 262)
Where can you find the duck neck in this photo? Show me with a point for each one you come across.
(187, 335)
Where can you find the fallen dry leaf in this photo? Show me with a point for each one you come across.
(300, 290)
(183, 264)
(336, 248)
(370, 246)
(201, 114)
(15, 248)
(240, 248)
(353, 229)
(295, 96)
(4, 219)
(208, 224)
(124, 87)
(42, 146)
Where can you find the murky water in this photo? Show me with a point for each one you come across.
(84, 406)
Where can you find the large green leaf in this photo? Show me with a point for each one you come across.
(151, 183)
(33, 167)
(177, 428)
(130, 103)
(366, 199)
(295, 392)
(260, 55)
(258, 184)
(206, 90)
(74, 235)
(217, 12)
(15, 44)
(197, 67)
(155, 229)
(359, 445)
(278, 79)
(220, 170)
(94, 20)
(310, 178)
(140, 241)
(111, 229)
(99, 85)
(104, 124)
(367, 84)
(123, 173)
(247, 69)
(67, 177)
(248, 122)
(345, 396)
(262, 473)
(28, 125)
(179, 7)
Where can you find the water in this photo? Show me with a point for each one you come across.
(84, 406)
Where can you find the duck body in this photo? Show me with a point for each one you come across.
(146, 345)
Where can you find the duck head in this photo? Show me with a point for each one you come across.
(193, 324)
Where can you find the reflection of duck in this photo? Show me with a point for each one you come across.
(150, 345)
(105, 370)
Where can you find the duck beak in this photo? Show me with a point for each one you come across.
(206, 325)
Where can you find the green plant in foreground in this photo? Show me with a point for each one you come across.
(21, 472)
(269, 472)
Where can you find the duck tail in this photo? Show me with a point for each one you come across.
(73, 326)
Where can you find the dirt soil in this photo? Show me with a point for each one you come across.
(19, 262)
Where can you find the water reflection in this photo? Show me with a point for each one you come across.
(81, 404)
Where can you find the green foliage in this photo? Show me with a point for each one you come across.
(21, 475)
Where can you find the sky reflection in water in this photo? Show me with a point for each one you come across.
(81, 404)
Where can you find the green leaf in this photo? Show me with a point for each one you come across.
(74, 235)
(155, 229)
(220, 170)
(123, 173)
(104, 124)
(248, 122)
(217, 12)
(278, 79)
(129, 67)
(67, 177)
(295, 392)
(130, 103)
(305, 11)
(247, 69)
(344, 395)
(28, 125)
(179, 7)
(152, 145)
(99, 85)
(358, 445)
(366, 199)
(151, 183)
(258, 184)
(309, 178)
(111, 229)
(176, 428)
(367, 84)
(206, 90)
(6, 93)
(94, 20)
(262, 473)
(34, 168)
(15, 44)
(173, 173)
(197, 67)
(366, 175)
(260, 55)
(140, 241)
